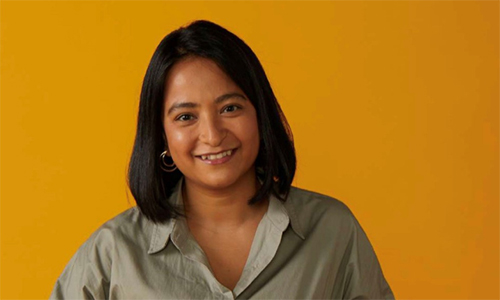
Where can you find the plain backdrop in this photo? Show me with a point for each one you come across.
(394, 108)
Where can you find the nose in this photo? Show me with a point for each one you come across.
(212, 131)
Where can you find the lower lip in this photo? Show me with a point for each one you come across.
(220, 160)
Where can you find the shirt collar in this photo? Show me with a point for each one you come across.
(281, 214)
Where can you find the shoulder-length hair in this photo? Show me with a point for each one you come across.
(276, 161)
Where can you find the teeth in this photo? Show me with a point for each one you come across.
(218, 156)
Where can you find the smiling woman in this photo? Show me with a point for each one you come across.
(211, 128)
(216, 216)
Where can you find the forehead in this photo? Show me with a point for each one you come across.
(196, 77)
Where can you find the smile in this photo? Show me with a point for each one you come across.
(217, 158)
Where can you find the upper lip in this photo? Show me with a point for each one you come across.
(214, 153)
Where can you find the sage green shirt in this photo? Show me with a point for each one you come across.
(309, 247)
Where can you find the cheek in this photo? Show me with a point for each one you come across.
(249, 132)
(177, 140)
(253, 128)
(254, 134)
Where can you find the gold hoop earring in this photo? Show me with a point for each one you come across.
(164, 166)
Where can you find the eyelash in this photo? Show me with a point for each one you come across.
(232, 105)
(179, 118)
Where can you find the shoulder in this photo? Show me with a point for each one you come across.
(313, 209)
(324, 216)
(127, 223)
(130, 228)
(89, 271)
(314, 204)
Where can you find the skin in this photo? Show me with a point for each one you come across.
(215, 196)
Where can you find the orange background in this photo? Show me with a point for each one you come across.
(394, 108)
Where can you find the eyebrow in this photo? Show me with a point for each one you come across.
(217, 100)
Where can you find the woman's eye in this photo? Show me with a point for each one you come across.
(183, 118)
(231, 108)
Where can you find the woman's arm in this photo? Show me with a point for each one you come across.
(364, 277)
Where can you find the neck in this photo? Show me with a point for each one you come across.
(225, 208)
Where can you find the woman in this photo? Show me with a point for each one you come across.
(216, 214)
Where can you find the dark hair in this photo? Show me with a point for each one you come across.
(276, 161)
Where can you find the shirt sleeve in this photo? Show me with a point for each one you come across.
(364, 276)
(86, 276)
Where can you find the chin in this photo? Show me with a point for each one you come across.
(220, 179)
(218, 183)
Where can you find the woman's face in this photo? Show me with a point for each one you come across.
(205, 113)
